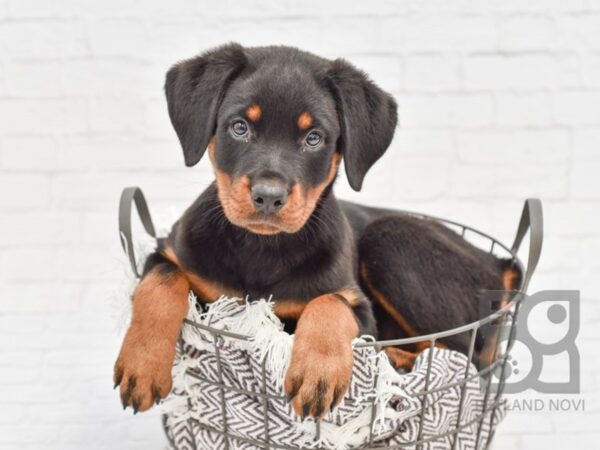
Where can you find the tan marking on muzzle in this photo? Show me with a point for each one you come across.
(302, 201)
(235, 198)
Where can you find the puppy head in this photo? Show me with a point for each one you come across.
(277, 122)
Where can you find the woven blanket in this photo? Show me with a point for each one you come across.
(381, 408)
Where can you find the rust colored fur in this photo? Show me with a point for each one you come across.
(305, 121)
(387, 305)
(292, 309)
(322, 360)
(253, 112)
(207, 290)
(143, 368)
(511, 279)
(234, 195)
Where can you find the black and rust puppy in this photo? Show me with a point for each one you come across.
(277, 122)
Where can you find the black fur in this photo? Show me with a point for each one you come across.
(432, 275)
(194, 92)
(367, 119)
(343, 95)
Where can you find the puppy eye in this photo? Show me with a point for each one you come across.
(313, 139)
(239, 128)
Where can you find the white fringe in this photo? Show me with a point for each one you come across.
(120, 297)
(268, 340)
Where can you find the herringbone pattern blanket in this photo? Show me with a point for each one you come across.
(381, 408)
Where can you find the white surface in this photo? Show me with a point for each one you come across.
(499, 100)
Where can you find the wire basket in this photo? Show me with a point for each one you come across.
(506, 318)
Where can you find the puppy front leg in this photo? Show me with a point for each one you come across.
(321, 365)
(143, 368)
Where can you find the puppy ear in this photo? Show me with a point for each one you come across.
(367, 118)
(195, 89)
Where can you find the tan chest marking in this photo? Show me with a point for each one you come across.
(207, 290)
(293, 309)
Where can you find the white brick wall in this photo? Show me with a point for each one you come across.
(499, 100)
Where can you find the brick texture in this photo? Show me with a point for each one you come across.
(498, 100)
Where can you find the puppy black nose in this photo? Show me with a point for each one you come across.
(268, 198)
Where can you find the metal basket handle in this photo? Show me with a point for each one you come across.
(532, 221)
(131, 195)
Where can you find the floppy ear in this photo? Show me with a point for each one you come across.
(367, 118)
(195, 89)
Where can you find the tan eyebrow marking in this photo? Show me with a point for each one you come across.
(305, 120)
(253, 112)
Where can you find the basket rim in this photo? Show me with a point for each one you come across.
(431, 337)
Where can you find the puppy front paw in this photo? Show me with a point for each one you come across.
(143, 372)
(321, 365)
(316, 381)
